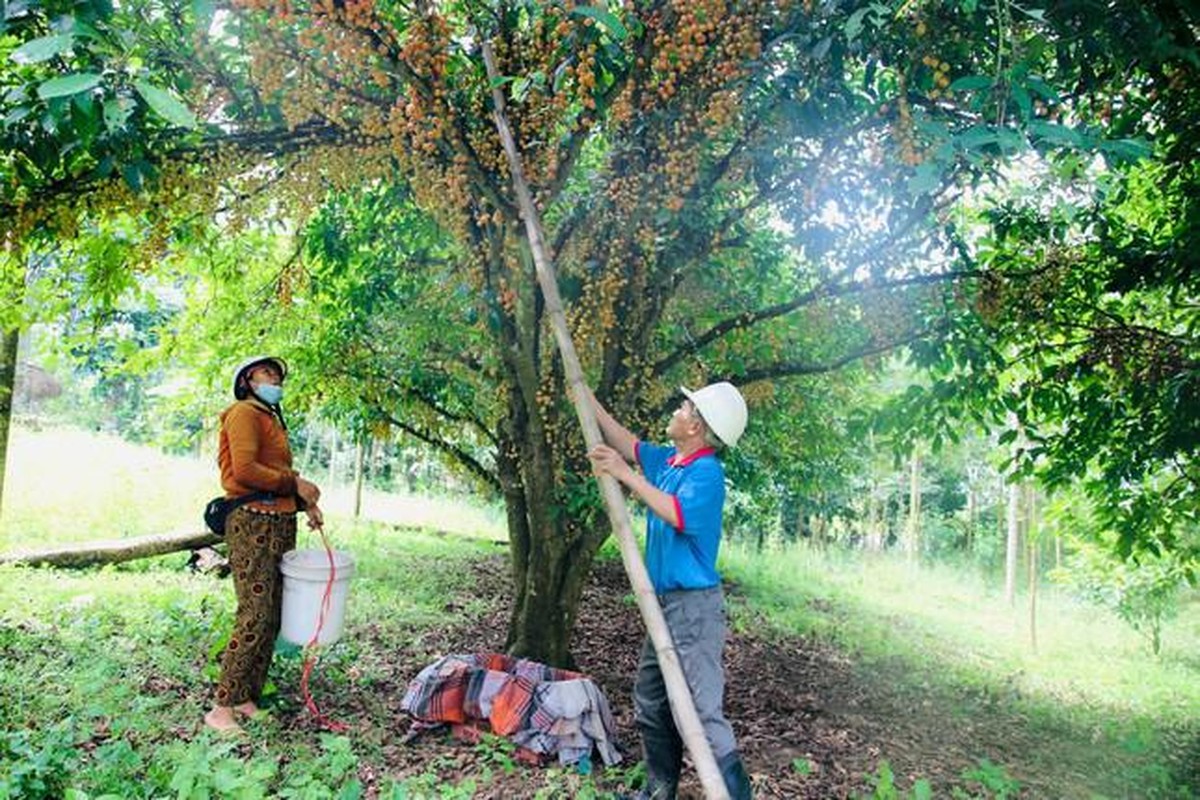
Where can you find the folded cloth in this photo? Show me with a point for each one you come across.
(548, 711)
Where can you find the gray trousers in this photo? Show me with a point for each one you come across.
(696, 620)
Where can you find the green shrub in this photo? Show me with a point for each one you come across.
(36, 765)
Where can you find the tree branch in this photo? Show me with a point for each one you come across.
(750, 318)
(457, 453)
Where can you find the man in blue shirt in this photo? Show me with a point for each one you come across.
(683, 487)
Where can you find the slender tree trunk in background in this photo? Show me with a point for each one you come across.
(333, 449)
(1033, 585)
(13, 277)
(310, 437)
(359, 455)
(913, 543)
(875, 522)
(372, 465)
(8, 387)
(1012, 539)
(876, 513)
(971, 512)
(789, 521)
(1032, 539)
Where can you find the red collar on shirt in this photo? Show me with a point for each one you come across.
(682, 461)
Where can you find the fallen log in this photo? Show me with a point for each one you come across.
(112, 551)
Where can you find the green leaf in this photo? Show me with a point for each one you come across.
(42, 49)
(605, 18)
(351, 791)
(116, 112)
(927, 178)
(203, 11)
(16, 115)
(519, 89)
(68, 85)
(1054, 134)
(165, 104)
(1127, 149)
(970, 83)
(132, 174)
(854, 25)
(1024, 102)
(1042, 88)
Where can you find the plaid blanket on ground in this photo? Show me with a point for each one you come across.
(544, 710)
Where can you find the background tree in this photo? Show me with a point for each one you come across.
(1085, 326)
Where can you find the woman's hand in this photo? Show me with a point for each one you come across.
(316, 520)
(307, 491)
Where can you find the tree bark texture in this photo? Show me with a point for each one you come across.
(359, 458)
(115, 551)
(8, 385)
(1032, 539)
(914, 506)
(1012, 542)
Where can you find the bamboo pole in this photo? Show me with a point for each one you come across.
(686, 718)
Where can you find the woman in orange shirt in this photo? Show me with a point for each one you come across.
(254, 457)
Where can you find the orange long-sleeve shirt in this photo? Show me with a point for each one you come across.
(254, 456)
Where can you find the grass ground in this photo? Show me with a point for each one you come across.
(104, 672)
(945, 637)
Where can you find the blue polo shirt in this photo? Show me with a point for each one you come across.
(684, 558)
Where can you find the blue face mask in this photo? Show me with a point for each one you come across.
(269, 393)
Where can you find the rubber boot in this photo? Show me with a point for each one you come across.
(737, 782)
(663, 751)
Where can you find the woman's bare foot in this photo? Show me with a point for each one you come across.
(248, 709)
(220, 719)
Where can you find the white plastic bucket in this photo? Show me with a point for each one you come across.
(305, 576)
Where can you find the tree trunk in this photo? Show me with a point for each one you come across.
(1031, 538)
(819, 532)
(8, 383)
(551, 555)
(1013, 518)
(913, 540)
(333, 449)
(876, 526)
(789, 522)
(310, 436)
(114, 551)
(359, 455)
(972, 502)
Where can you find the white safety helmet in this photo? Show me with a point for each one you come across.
(723, 409)
(241, 390)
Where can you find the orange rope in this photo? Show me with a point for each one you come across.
(310, 649)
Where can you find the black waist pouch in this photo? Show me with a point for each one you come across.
(217, 510)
